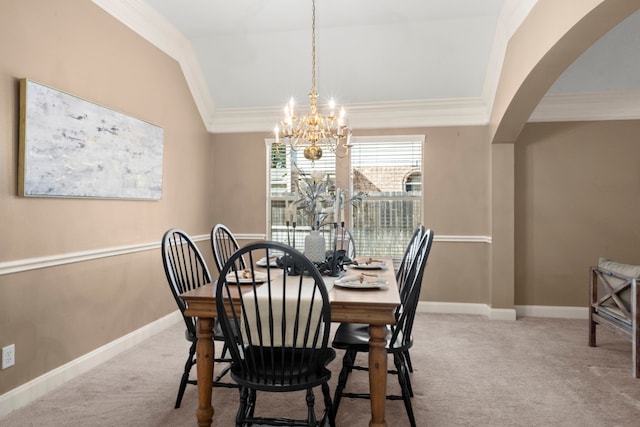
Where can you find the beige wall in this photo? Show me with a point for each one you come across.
(239, 172)
(54, 315)
(577, 198)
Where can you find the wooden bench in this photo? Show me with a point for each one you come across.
(614, 302)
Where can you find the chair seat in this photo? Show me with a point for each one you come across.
(355, 336)
(268, 372)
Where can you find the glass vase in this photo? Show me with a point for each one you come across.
(314, 247)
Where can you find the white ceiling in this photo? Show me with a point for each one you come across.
(371, 54)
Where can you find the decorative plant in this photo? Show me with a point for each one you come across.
(318, 198)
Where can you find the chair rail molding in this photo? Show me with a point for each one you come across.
(27, 264)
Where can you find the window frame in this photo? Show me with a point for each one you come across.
(344, 179)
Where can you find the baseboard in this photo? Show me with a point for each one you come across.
(552, 311)
(504, 313)
(28, 392)
(453, 308)
(467, 308)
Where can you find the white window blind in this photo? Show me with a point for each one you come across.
(389, 171)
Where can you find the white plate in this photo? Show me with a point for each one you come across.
(262, 262)
(374, 265)
(260, 277)
(355, 283)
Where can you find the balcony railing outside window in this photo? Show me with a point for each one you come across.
(383, 226)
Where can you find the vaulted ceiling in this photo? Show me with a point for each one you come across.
(416, 62)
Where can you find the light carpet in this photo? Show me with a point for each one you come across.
(468, 371)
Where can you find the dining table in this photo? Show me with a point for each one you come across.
(373, 306)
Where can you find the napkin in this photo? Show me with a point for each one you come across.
(370, 261)
(362, 278)
(273, 262)
(246, 276)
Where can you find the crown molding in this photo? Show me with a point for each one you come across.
(419, 113)
(623, 105)
(382, 115)
(153, 27)
(588, 107)
(149, 24)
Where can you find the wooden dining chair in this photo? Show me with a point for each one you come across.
(223, 245)
(354, 338)
(403, 275)
(186, 270)
(410, 253)
(283, 342)
(404, 271)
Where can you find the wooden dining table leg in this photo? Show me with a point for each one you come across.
(377, 374)
(204, 365)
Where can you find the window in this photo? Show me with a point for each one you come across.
(388, 169)
(282, 181)
(413, 182)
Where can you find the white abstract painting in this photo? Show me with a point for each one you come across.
(70, 147)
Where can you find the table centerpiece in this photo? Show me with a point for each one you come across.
(319, 202)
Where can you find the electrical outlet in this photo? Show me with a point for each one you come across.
(8, 356)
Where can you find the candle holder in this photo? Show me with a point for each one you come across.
(294, 234)
(333, 265)
(285, 262)
(288, 235)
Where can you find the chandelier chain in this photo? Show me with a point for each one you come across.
(313, 46)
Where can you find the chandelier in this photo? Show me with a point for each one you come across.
(314, 128)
